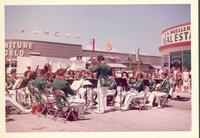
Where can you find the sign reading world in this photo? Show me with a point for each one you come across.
(177, 34)
(17, 48)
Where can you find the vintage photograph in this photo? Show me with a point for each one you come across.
(98, 68)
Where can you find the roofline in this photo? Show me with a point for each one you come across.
(44, 42)
(119, 53)
(169, 28)
(187, 43)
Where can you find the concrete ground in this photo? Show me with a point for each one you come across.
(175, 117)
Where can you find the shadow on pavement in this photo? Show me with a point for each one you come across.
(9, 119)
(180, 98)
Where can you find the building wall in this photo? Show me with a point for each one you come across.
(175, 43)
(123, 57)
(41, 48)
(26, 48)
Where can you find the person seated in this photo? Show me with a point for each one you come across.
(40, 81)
(161, 91)
(122, 91)
(111, 90)
(152, 83)
(60, 84)
(136, 92)
(10, 80)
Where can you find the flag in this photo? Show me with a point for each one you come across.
(35, 32)
(57, 34)
(68, 35)
(23, 31)
(46, 32)
(77, 36)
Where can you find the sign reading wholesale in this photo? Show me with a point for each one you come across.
(176, 34)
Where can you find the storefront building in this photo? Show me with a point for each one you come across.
(25, 48)
(176, 46)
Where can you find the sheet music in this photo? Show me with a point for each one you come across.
(86, 82)
(17, 83)
(77, 84)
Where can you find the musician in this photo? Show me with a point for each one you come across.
(152, 82)
(27, 72)
(103, 71)
(85, 89)
(111, 89)
(138, 91)
(122, 91)
(60, 84)
(11, 79)
(40, 81)
(163, 90)
(70, 74)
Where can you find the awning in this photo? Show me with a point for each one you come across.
(116, 65)
(157, 67)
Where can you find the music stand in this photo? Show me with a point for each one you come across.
(23, 84)
(93, 85)
(94, 82)
(146, 82)
(158, 81)
(123, 83)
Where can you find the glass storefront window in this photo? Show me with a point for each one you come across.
(187, 59)
(176, 59)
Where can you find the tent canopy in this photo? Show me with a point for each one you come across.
(116, 65)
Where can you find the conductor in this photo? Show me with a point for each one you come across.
(103, 72)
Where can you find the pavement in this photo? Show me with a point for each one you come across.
(175, 117)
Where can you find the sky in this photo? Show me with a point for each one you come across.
(125, 27)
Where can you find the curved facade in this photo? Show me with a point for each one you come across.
(176, 46)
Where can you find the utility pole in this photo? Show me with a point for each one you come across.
(93, 44)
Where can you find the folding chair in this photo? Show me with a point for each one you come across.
(48, 101)
(111, 97)
(165, 99)
(139, 102)
(64, 106)
(37, 99)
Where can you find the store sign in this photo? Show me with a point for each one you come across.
(176, 35)
(16, 48)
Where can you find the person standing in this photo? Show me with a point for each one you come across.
(103, 72)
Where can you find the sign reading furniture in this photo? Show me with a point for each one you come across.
(16, 48)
